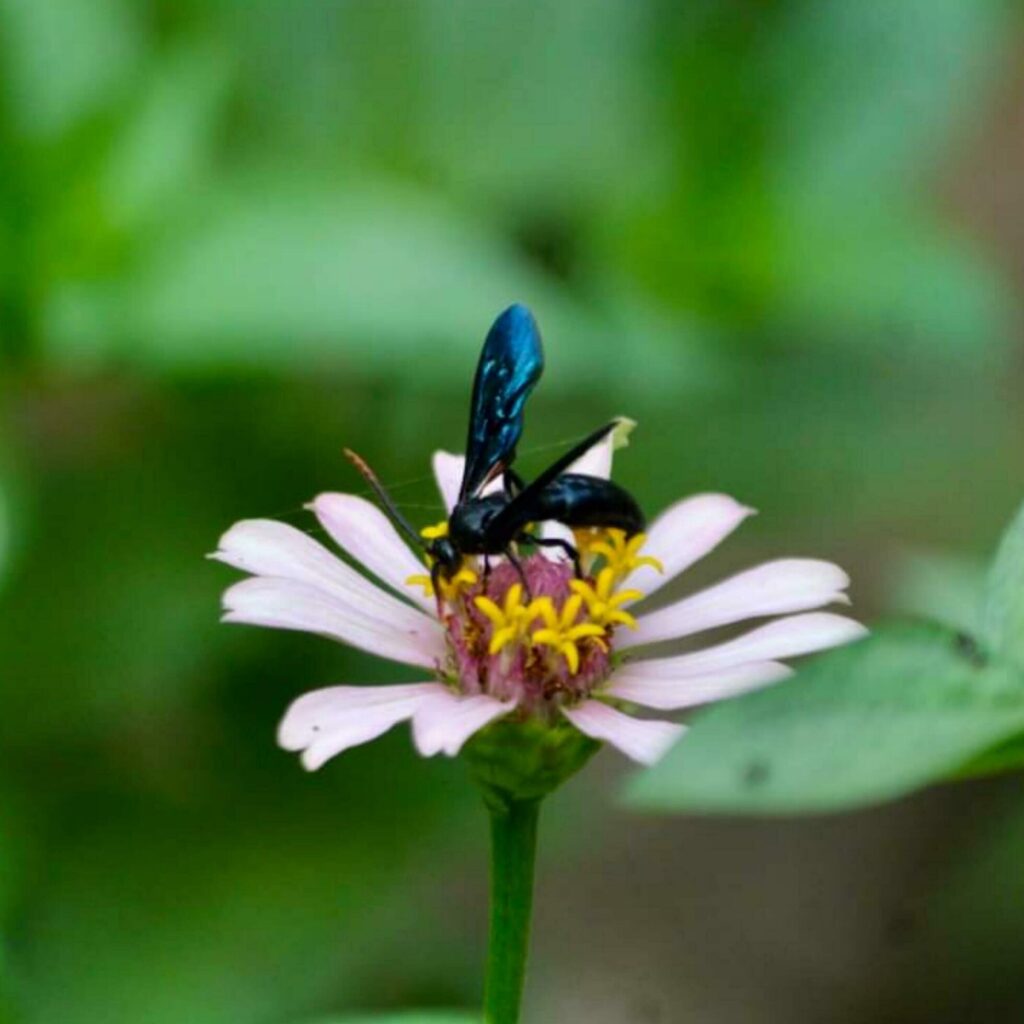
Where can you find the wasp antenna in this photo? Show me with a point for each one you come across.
(389, 507)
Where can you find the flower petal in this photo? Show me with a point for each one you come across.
(268, 548)
(784, 638)
(643, 741)
(360, 528)
(402, 635)
(671, 694)
(775, 588)
(597, 460)
(684, 533)
(325, 722)
(444, 722)
(448, 471)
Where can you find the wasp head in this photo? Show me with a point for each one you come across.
(446, 557)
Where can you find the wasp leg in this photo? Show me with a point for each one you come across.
(557, 542)
(487, 571)
(518, 566)
(435, 582)
(513, 483)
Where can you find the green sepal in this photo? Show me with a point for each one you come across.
(516, 761)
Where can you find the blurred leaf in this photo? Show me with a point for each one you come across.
(268, 892)
(65, 58)
(934, 585)
(1004, 596)
(411, 1017)
(892, 278)
(276, 274)
(905, 708)
(870, 92)
(546, 123)
(168, 135)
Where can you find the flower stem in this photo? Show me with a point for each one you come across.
(513, 845)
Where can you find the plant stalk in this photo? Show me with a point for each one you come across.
(513, 848)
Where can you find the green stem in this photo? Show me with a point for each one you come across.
(513, 845)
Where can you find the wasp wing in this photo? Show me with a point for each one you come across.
(527, 504)
(510, 365)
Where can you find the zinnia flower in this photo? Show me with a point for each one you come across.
(559, 649)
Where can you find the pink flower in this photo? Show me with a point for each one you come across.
(563, 649)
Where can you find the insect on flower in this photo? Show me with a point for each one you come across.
(528, 609)
(510, 366)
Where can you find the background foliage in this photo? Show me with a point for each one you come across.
(236, 236)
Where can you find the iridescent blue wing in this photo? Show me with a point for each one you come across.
(510, 365)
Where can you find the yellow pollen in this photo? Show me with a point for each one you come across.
(603, 603)
(450, 589)
(437, 530)
(563, 632)
(510, 621)
(620, 554)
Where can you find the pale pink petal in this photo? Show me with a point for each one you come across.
(444, 722)
(403, 635)
(448, 471)
(597, 461)
(360, 528)
(684, 533)
(268, 548)
(775, 588)
(784, 638)
(313, 714)
(642, 740)
(671, 694)
(551, 530)
(325, 722)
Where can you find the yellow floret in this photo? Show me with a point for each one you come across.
(511, 621)
(620, 554)
(563, 632)
(603, 601)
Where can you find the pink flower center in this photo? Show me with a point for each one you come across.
(533, 644)
(542, 637)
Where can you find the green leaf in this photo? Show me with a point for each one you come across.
(67, 58)
(903, 709)
(1003, 616)
(268, 273)
(409, 1017)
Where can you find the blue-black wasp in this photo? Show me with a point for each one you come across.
(510, 365)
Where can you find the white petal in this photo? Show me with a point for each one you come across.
(402, 635)
(360, 528)
(448, 471)
(643, 741)
(443, 723)
(684, 533)
(775, 588)
(671, 694)
(268, 548)
(314, 713)
(326, 722)
(551, 530)
(784, 638)
(597, 461)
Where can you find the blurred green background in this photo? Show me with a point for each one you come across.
(237, 235)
